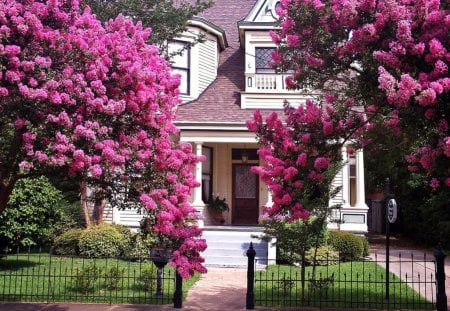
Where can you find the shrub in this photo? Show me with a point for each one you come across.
(33, 211)
(293, 239)
(148, 277)
(326, 255)
(349, 245)
(366, 246)
(128, 238)
(102, 241)
(113, 277)
(66, 244)
(140, 246)
(86, 278)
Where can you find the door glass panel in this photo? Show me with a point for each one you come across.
(245, 183)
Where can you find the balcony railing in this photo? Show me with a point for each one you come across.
(267, 83)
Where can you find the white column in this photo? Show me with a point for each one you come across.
(360, 189)
(345, 178)
(115, 215)
(269, 202)
(198, 202)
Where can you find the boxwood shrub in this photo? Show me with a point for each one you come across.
(349, 245)
(66, 244)
(103, 240)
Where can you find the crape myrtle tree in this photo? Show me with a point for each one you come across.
(167, 19)
(301, 155)
(95, 103)
(390, 57)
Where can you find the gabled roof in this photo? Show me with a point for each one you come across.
(220, 102)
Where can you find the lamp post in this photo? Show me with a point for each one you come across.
(160, 257)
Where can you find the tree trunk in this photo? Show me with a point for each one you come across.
(99, 210)
(6, 189)
(84, 203)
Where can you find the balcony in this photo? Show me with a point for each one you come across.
(269, 91)
(266, 83)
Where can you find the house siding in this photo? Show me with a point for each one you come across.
(207, 64)
(337, 182)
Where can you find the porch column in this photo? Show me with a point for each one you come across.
(360, 189)
(269, 202)
(198, 202)
(345, 178)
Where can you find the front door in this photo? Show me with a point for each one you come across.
(245, 195)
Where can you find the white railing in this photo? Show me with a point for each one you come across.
(265, 83)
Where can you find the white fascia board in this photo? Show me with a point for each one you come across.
(213, 126)
(217, 136)
(221, 39)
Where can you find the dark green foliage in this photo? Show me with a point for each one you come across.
(87, 278)
(113, 278)
(148, 277)
(66, 244)
(140, 246)
(295, 238)
(349, 245)
(102, 241)
(128, 238)
(325, 255)
(285, 285)
(166, 18)
(32, 214)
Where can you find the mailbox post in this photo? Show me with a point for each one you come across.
(160, 257)
(391, 217)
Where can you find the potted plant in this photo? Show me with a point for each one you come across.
(216, 207)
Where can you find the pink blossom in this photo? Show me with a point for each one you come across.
(301, 160)
(96, 170)
(321, 163)
(434, 183)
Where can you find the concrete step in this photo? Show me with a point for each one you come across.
(227, 246)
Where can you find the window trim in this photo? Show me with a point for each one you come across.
(187, 69)
(266, 70)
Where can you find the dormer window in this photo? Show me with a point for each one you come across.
(180, 63)
(275, 7)
(263, 60)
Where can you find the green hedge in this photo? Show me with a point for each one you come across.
(102, 241)
(66, 244)
(349, 245)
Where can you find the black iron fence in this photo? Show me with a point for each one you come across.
(355, 284)
(35, 276)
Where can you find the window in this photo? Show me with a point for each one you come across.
(263, 60)
(207, 174)
(180, 63)
(352, 176)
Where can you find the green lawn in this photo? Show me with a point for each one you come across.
(346, 285)
(44, 278)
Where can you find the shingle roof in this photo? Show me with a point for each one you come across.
(220, 102)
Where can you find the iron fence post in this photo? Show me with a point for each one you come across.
(178, 295)
(441, 297)
(250, 301)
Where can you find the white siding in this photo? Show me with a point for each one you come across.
(337, 182)
(128, 217)
(207, 64)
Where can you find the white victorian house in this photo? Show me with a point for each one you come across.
(225, 78)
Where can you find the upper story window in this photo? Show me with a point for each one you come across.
(181, 64)
(263, 60)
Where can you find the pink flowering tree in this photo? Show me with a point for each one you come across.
(301, 153)
(96, 103)
(390, 57)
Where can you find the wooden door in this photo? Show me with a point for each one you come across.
(245, 195)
